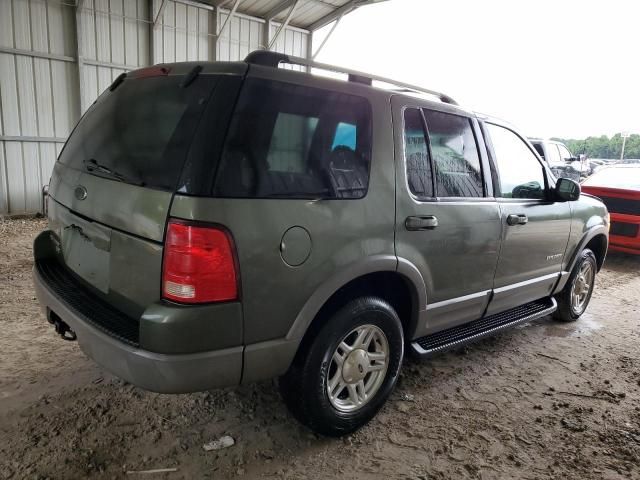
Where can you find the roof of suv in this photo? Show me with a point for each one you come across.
(274, 59)
(268, 59)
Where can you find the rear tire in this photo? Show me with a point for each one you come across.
(347, 372)
(574, 298)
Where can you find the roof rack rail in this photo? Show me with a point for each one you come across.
(274, 59)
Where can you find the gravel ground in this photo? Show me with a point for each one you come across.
(545, 400)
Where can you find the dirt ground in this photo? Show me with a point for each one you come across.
(545, 400)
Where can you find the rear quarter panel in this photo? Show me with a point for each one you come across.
(344, 233)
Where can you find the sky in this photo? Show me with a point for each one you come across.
(562, 68)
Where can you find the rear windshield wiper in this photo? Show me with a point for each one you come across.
(93, 166)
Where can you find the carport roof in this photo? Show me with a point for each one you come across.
(308, 14)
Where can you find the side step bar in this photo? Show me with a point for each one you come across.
(469, 332)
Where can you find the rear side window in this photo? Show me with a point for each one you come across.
(290, 141)
(455, 155)
(140, 132)
(416, 155)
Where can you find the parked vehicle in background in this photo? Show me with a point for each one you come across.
(618, 186)
(595, 164)
(218, 223)
(560, 160)
(629, 161)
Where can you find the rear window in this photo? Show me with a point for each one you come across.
(290, 141)
(539, 149)
(140, 132)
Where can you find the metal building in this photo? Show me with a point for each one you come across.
(56, 56)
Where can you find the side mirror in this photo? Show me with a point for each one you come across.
(567, 190)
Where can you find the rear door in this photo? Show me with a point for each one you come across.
(535, 229)
(447, 222)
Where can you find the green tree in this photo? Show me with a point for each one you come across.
(603, 146)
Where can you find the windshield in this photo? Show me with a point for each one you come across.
(140, 132)
(623, 178)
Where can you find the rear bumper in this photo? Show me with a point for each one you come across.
(164, 373)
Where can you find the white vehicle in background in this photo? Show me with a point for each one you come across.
(560, 159)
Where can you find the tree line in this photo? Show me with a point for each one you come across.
(603, 146)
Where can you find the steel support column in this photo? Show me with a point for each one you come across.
(78, 36)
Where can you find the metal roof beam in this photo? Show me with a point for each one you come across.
(326, 38)
(228, 19)
(340, 12)
(278, 9)
(163, 5)
(284, 24)
(327, 19)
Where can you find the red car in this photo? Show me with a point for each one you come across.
(618, 187)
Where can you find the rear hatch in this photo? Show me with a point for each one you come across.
(112, 187)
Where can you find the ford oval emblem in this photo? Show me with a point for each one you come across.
(80, 192)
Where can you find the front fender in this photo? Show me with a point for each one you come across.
(591, 233)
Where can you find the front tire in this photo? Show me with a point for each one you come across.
(575, 296)
(347, 372)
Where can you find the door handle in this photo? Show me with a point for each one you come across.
(427, 222)
(520, 219)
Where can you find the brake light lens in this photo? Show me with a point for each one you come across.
(153, 71)
(198, 265)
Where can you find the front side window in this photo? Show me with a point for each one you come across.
(521, 174)
(416, 155)
(455, 155)
(290, 141)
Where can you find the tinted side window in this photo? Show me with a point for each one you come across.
(416, 155)
(521, 174)
(455, 155)
(290, 141)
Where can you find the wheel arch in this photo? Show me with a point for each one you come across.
(597, 240)
(394, 280)
(598, 245)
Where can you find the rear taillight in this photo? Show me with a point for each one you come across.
(198, 264)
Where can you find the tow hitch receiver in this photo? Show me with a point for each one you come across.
(62, 328)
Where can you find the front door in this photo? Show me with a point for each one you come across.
(535, 229)
(447, 223)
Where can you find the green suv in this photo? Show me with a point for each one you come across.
(214, 224)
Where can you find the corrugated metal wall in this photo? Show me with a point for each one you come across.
(43, 88)
(113, 38)
(38, 85)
